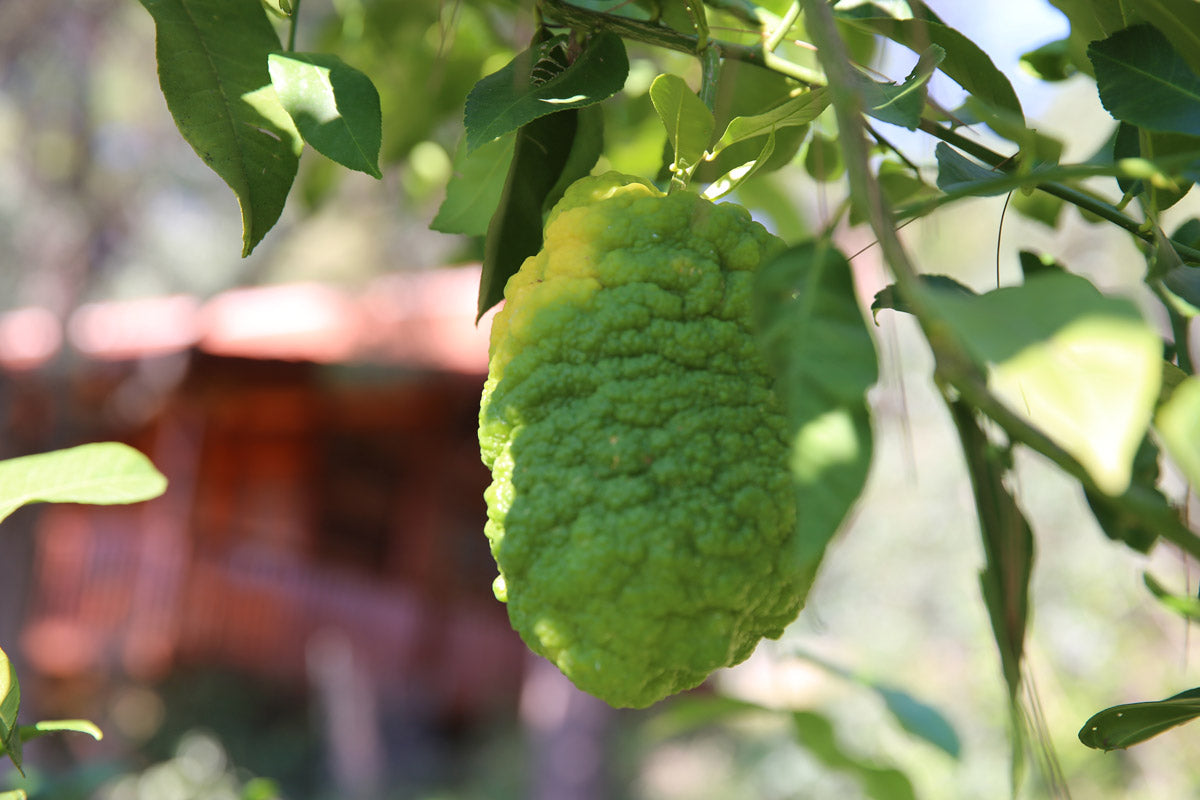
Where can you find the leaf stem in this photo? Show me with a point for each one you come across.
(879, 137)
(710, 72)
(1080, 199)
(748, 12)
(954, 366)
(762, 55)
(864, 189)
(294, 22)
(780, 29)
(1179, 328)
(700, 21)
(1137, 500)
(652, 33)
(659, 35)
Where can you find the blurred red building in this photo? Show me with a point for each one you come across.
(325, 485)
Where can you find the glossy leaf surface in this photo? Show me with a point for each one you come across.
(539, 82)
(816, 340)
(103, 473)
(212, 67)
(335, 107)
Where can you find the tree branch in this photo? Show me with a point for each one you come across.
(954, 366)
(1069, 194)
(762, 55)
(658, 35)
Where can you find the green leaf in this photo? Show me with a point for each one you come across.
(1185, 605)
(1038, 150)
(1145, 82)
(961, 176)
(1082, 367)
(815, 733)
(1165, 265)
(1034, 264)
(335, 107)
(772, 198)
(1039, 207)
(1095, 19)
(823, 159)
(1180, 21)
(688, 121)
(540, 154)
(104, 473)
(892, 9)
(957, 173)
(475, 187)
(1184, 283)
(1051, 62)
(1162, 191)
(1188, 232)
(586, 148)
(793, 112)
(966, 178)
(1119, 524)
(44, 727)
(748, 91)
(900, 104)
(283, 8)
(212, 66)
(1181, 280)
(1178, 424)
(1091, 20)
(539, 82)
(10, 705)
(1172, 377)
(918, 718)
(965, 63)
(921, 720)
(889, 296)
(736, 176)
(899, 184)
(817, 342)
(688, 713)
(261, 789)
(1007, 544)
(15, 794)
(1122, 726)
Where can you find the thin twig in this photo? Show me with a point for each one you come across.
(955, 367)
(748, 12)
(1000, 235)
(1069, 194)
(879, 137)
(658, 35)
(295, 21)
(780, 30)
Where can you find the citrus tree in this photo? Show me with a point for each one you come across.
(744, 98)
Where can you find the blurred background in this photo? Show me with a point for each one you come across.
(307, 613)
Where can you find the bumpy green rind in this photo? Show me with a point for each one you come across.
(641, 512)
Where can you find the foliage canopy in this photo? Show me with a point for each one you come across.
(750, 96)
